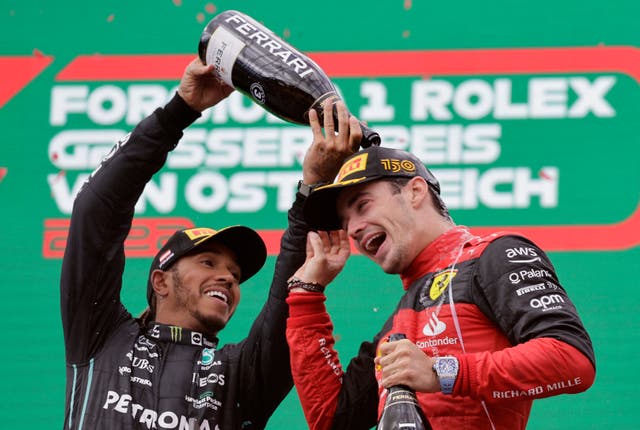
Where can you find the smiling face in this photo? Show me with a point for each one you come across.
(201, 291)
(381, 219)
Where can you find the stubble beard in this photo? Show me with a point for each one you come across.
(395, 260)
(211, 324)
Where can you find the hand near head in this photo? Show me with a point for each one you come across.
(403, 363)
(200, 88)
(329, 149)
(327, 253)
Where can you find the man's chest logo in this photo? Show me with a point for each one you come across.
(440, 283)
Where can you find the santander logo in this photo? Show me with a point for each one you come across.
(434, 326)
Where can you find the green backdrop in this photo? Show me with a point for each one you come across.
(527, 112)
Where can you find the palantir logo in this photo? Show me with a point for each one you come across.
(434, 326)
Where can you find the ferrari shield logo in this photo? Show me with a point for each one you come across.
(440, 283)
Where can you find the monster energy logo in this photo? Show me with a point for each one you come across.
(176, 333)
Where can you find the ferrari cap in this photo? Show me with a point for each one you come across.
(367, 165)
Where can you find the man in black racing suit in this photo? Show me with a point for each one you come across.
(124, 372)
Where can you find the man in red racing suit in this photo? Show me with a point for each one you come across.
(492, 306)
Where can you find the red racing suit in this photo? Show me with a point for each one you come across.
(493, 302)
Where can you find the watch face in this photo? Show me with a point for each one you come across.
(447, 366)
(447, 371)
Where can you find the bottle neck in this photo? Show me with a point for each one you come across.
(401, 394)
(397, 388)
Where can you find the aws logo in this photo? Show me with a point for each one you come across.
(440, 283)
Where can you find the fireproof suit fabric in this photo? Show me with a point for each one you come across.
(121, 375)
(493, 302)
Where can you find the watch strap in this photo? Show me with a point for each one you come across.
(446, 368)
(306, 189)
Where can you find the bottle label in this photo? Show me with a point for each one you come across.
(399, 397)
(330, 97)
(222, 51)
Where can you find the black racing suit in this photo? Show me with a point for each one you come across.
(121, 375)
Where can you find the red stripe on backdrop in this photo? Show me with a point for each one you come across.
(482, 61)
(611, 237)
(598, 59)
(17, 72)
(124, 68)
(149, 234)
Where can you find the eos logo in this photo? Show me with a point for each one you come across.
(212, 378)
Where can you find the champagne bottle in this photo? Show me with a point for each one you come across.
(401, 409)
(255, 61)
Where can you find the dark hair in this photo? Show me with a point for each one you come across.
(149, 314)
(398, 183)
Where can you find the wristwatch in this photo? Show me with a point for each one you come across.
(446, 369)
(306, 189)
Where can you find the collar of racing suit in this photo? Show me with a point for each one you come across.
(175, 334)
(437, 255)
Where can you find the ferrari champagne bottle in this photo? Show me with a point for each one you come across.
(401, 409)
(255, 61)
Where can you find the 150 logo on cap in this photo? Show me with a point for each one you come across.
(356, 164)
(396, 165)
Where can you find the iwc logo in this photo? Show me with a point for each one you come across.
(257, 92)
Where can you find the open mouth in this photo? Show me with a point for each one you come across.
(217, 295)
(374, 243)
